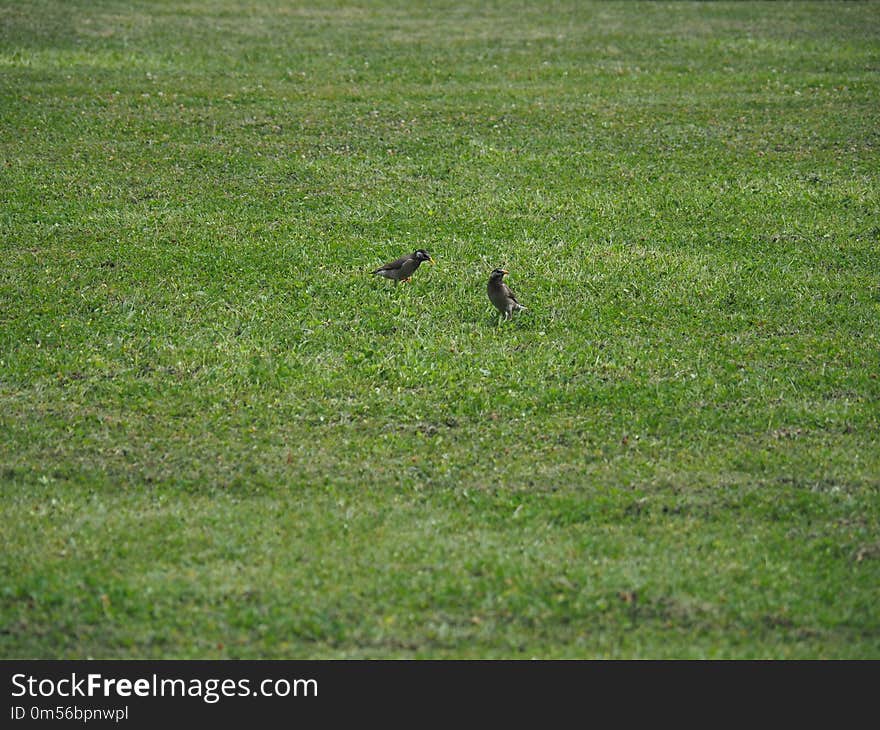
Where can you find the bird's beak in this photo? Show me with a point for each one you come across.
(504, 271)
(431, 260)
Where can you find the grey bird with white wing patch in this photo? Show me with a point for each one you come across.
(403, 268)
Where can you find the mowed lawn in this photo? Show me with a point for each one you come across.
(220, 437)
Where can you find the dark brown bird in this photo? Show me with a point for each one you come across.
(403, 268)
(500, 294)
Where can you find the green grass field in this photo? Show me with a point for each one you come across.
(220, 437)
